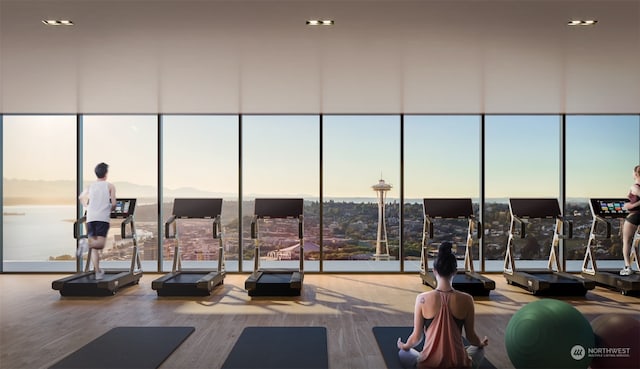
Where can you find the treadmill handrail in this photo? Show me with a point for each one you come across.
(429, 226)
(169, 225)
(565, 223)
(254, 227)
(596, 219)
(468, 255)
(215, 227)
(523, 226)
(123, 227)
(478, 226)
(77, 227)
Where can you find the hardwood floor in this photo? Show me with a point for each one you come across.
(39, 327)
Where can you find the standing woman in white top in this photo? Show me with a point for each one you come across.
(99, 200)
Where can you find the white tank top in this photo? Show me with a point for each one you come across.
(99, 208)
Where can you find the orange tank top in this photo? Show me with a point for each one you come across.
(443, 346)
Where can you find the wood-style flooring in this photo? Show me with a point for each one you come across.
(39, 327)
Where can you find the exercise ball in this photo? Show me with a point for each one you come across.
(549, 334)
(617, 341)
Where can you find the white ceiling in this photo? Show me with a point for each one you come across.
(385, 56)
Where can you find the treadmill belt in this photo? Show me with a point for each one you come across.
(90, 278)
(275, 278)
(464, 278)
(627, 284)
(84, 279)
(546, 282)
(615, 274)
(186, 278)
(554, 278)
(469, 282)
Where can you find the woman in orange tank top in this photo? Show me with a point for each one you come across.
(439, 317)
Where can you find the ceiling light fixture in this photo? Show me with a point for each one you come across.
(57, 22)
(579, 22)
(320, 22)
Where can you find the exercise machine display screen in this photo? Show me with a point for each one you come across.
(279, 208)
(124, 208)
(535, 208)
(608, 207)
(199, 208)
(448, 208)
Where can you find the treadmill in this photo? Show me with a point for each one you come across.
(466, 280)
(604, 211)
(192, 282)
(547, 281)
(276, 281)
(84, 283)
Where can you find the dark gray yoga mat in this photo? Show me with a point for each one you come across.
(279, 348)
(387, 338)
(127, 348)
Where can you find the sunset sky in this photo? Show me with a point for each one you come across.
(281, 154)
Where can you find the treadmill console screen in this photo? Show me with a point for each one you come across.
(535, 208)
(448, 208)
(124, 208)
(609, 207)
(279, 208)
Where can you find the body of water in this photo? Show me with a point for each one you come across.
(36, 232)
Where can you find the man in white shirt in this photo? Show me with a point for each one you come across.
(99, 199)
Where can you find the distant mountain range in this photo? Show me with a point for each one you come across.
(22, 188)
(38, 191)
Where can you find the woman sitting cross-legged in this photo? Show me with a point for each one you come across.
(439, 317)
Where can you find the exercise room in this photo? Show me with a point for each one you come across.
(320, 184)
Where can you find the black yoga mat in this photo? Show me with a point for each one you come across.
(387, 338)
(127, 347)
(279, 347)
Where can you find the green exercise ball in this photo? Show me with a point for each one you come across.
(549, 334)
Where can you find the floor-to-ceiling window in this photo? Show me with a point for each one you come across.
(39, 192)
(441, 160)
(522, 160)
(361, 175)
(129, 145)
(280, 159)
(200, 160)
(601, 152)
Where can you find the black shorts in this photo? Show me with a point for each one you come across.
(97, 229)
(633, 218)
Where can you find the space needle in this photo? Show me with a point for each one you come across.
(381, 189)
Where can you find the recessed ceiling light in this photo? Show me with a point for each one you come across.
(580, 22)
(320, 22)
(57, 22)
